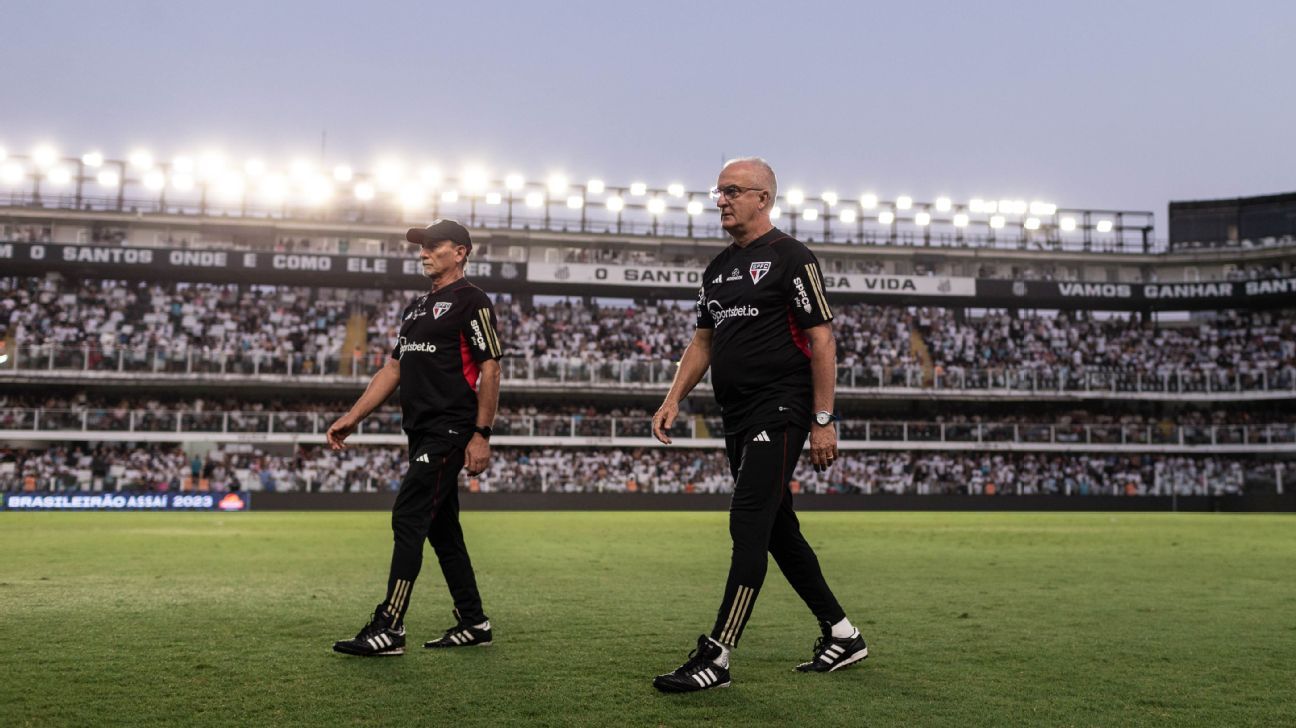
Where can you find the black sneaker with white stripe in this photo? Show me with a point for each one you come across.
(700, 672)
(462, 635)
(376, 639)
(833, 654)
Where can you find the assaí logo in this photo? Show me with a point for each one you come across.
(720, 314)
(419, 346)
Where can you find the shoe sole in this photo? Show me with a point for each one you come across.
(673, 690)
(430, 646)
(844, 663)
(384, 653)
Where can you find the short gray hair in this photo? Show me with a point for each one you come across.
(763, 166)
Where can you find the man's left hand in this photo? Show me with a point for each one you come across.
(823, 447)
(477, 455)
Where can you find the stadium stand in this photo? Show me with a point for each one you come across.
(168, 349)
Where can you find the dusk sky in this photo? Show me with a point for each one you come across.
(1122, 105)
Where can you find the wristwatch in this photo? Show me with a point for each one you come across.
(485, 432)
(824, 418)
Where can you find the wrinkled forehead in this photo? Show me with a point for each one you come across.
(743, 174)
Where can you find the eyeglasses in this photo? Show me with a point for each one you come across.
(731, 192)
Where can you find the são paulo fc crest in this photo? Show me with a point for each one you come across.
(758, 271)
(439, 308)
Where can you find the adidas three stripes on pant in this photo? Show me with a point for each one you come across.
(427, 506)
(762, 523)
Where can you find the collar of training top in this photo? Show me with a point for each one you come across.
(773, 235)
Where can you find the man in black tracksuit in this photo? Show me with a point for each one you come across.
(446, 366)
(763, 328)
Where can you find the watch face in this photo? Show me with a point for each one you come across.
(823, 418)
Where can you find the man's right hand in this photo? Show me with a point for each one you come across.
(663, 420)
(339, 431)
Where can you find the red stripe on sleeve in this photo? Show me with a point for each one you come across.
(798, 336)
(471, 372)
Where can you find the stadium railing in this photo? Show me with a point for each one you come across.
(291, 426)
(86, 362)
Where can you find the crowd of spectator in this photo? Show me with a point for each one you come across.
(656, 470)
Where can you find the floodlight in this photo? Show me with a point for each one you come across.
(795, 197)
(274, 188)
(93, 159)
(44, 156)
(1067, 224)
(997, 222)
(431, 177)
(942, 204)
(923, 219)
(108, 178)
(1043, 209)
(847, 216)
(976, 205)
(154, 179)
(182, 165)
(575, 202)
(318, 190)
(638, 189)
(254, 168)
(829, 198)
(595, 187)
(557, 184)
(960, 220)
(342, 173)
(1032, 223)
(450, 196)
(886, 217)
(59, 176)
(211, 165)
(1012, 207)
(990, 207)
(904, 202)
(657, 206)
(535, 199)
(389, 174)
(474, 179)
(301, 169)
(615, 203)
(810, 214)
(182, 181)
(514, 182)
(364, 191)
(413, 196)
(694, 207)
(1104, 226)
(142, 160)
(868, 201)
(230, 186)
(494, 198)
(11, 173)
(776, 212)
(675, 189)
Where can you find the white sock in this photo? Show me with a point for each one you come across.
(723, 659)
(483, 625)
(843, 629)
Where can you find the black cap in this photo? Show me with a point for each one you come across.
(440, 230)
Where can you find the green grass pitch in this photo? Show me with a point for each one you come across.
(972, 619)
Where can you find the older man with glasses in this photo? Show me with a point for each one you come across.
(763, 328)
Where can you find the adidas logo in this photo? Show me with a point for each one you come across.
(762, 437)
(422, 459)
(718, 279)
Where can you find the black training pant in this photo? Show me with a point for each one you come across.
(761, 520)
(427, 506)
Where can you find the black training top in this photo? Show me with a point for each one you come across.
(759, 300)
(444, 336)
